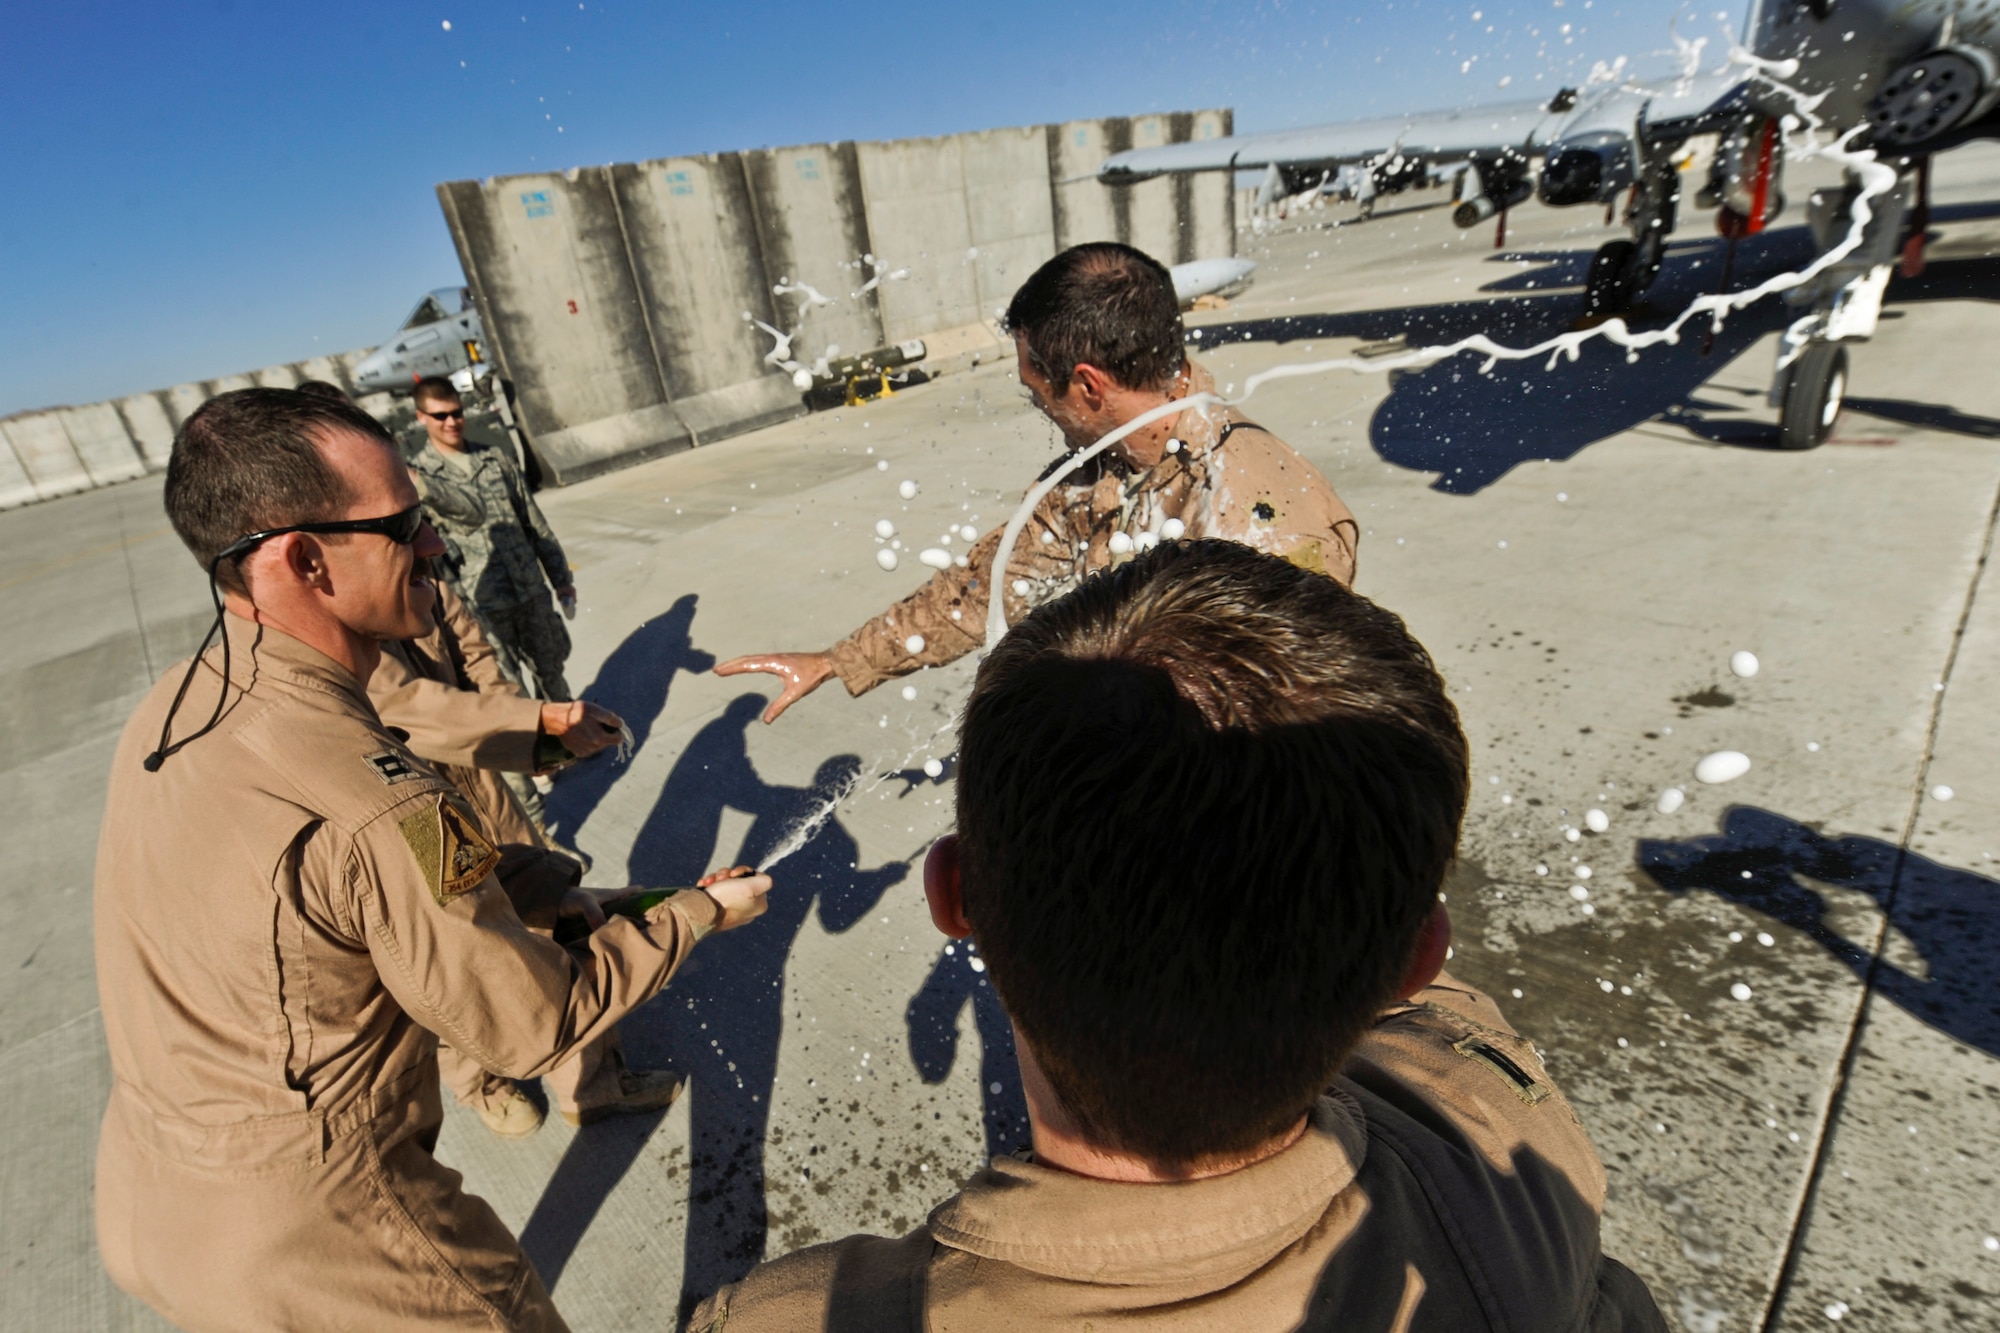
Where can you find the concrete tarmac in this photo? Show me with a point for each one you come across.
(1582, 548)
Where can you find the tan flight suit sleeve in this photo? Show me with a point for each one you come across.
(483, 728)
(475, 651)
(418, 885)
(949, 611)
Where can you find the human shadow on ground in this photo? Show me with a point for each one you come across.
(633, 683)
(958, 977)
(1775, 865)
(720, 1021)
(1472, 426)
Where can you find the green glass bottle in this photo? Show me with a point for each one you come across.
(574, 930)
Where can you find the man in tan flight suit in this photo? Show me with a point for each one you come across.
(464, 717)
(1098, 333)
(1205, 805)
(290, 903)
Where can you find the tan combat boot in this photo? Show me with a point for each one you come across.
(638, 1090)
(512, 1115)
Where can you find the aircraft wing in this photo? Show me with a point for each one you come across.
(1690, 104)
(1435, 134)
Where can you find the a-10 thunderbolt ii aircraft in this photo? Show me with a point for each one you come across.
(1910, 77)
(441, 336)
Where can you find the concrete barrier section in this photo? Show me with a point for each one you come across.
(151, 429)
(917, 219)
(547, 261)
(1011, 215)
(103, 444)
(277, 377)
(227, 384)
(1082, 209)
(813, 230)
(45, 451)
(1213, 194)
(1159, 208)
(182, 400)
(692, 236)
(16, 487)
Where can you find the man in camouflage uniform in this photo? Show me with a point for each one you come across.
(1099, 337)
(500, 548)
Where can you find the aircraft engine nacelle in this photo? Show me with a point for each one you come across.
(1484, 205)
(1588, 169)
(1934, 94)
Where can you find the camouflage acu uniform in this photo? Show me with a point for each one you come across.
(499, 549)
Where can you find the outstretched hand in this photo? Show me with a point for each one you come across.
(802, 673)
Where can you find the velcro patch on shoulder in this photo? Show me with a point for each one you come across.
(1523, 1084)
(1309, 556)
(452, 852)
(392, 767)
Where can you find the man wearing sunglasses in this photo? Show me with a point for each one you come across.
(290, 904)
(504, 557)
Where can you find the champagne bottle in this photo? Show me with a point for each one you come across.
(575, 930)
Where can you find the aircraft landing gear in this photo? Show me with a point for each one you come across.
(1813, 389)
(1622, 269)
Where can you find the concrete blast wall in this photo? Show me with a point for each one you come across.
(624, 302)
(61, 450)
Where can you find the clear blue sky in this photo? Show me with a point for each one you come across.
(202, 187)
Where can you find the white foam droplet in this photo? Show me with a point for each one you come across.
(1541, 870)
(1744, 664)
(884, 529)
(1578, 892)
(802, 379)
(1764, 938)
(967, 531)
(936, 557)
(1596, 821)
(907, 489)
(933, 768)
(1572, 835)
(447, 25)
(1942, 793)
(1670, 800)
(1173, 446)
(1020, 587)
(1583, 872)
(881, 465)
(1172, 530)
(885, 558)
(909, 693)
(914, 644)
(1740, 991)
(1121, 543)
(1722, 766)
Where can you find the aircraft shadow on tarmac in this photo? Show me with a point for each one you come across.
(720, 1021)
(1951, 917)
(1472, 428)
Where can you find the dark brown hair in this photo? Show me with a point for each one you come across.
(434, 389)
(1104, 304)
(250, 460)
(1205, 803)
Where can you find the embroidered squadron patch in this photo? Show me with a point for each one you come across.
(450, 849)
(392, 768)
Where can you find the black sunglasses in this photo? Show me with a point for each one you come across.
(401, 528)
(459, 415)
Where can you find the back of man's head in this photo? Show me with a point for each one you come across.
(1101, 304)
(251, 460)
(1205, 804)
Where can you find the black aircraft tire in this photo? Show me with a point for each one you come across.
(1815, 386)
(1608, 289)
